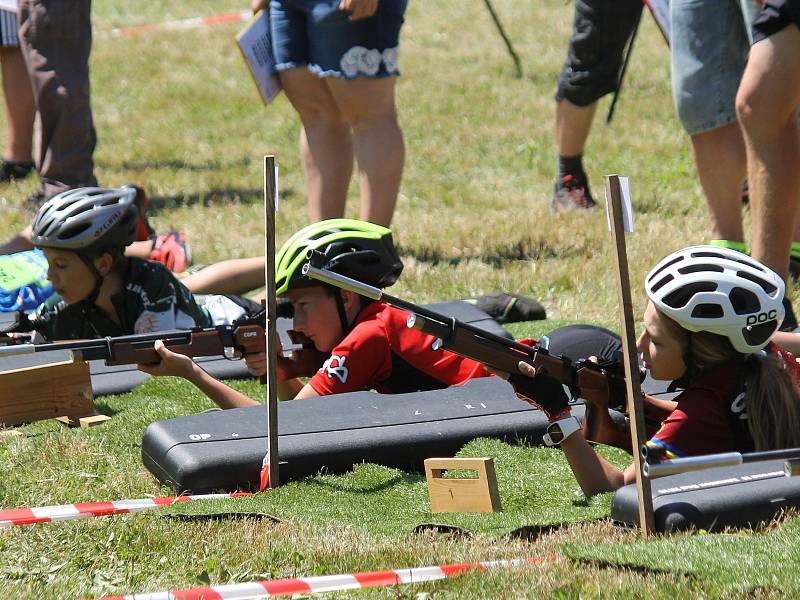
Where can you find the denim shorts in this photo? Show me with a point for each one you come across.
(316, 34)
(710, 44)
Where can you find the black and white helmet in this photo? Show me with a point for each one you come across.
(87, 218)
(706, 288)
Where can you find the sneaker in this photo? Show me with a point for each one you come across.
(572, 193)
(172, 250)
(509, 308)
(14, 169)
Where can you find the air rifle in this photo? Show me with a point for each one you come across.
(502, 354)
(244, 336)
(656, 466)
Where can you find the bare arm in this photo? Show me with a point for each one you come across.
(178, 365)
(594, 473)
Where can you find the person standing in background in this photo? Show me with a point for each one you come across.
(56, 39)
(17, 161)
(337, 63)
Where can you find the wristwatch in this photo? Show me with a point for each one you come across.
(560, 430)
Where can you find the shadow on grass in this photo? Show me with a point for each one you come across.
(525, 249)
(346, 486)
(215, 197)
(177, 164)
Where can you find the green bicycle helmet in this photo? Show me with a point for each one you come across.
(357, 249)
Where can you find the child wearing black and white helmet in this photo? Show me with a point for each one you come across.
(708, 323)
(99, 291)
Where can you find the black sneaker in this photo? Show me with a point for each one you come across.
(509, 308)
(572, 193)
(11, 170)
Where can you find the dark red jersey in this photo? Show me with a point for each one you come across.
(711, 416)
(382, 353)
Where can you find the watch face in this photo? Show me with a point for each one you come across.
(555, 433)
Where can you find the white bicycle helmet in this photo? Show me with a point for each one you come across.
(87, 218)
(706, 288)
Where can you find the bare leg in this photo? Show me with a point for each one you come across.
(767, 104)
(19, 104)
(573, 124)
(235, 276)
(325, 144)
(368, 106)
(721, 163)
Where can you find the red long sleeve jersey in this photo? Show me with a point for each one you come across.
(382, 353)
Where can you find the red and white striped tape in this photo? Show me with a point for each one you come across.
(328, 583)
(83, 510)
(178, 24)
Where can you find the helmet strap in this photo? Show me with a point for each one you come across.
(98, 279)
(346, 327)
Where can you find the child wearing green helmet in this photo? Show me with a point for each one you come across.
(358, 343)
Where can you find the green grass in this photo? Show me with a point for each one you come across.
(178, 112)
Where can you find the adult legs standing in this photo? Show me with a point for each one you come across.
(56, 39)
(767, 104)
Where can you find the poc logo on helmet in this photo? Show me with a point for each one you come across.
(762, 317)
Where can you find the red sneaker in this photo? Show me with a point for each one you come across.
(172, 250)
(144, 231)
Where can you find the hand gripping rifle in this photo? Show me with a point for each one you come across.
(245, 335)
(503, 354)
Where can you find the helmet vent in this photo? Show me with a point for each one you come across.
(765, 285)
(744, 301)
(707, 311)
(666, 266)
(657, 286)
(66, 234)
(701, 268)
(757, 335)
(680, 297)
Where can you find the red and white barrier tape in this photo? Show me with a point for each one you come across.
(83, 510)
(328, 583)
(178, 24)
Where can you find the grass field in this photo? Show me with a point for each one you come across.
(177, 112)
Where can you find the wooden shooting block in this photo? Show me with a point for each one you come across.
(45, 392)
(462, 495)
(84, 422)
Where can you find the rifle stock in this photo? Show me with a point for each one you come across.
(244, 336)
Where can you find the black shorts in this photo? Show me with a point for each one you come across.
(600, 31)
(776, 15)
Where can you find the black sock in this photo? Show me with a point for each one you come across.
(571, 165)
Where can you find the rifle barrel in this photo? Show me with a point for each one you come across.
(725, 459)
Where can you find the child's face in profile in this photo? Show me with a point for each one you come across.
(661, 347)
(70, 276)
(316, 316)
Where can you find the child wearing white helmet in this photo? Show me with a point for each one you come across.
(99, 291)
(707, 326)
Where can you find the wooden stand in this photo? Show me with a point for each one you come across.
(462, 495)
(630, 355)
(270, 205)
(46, 392)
